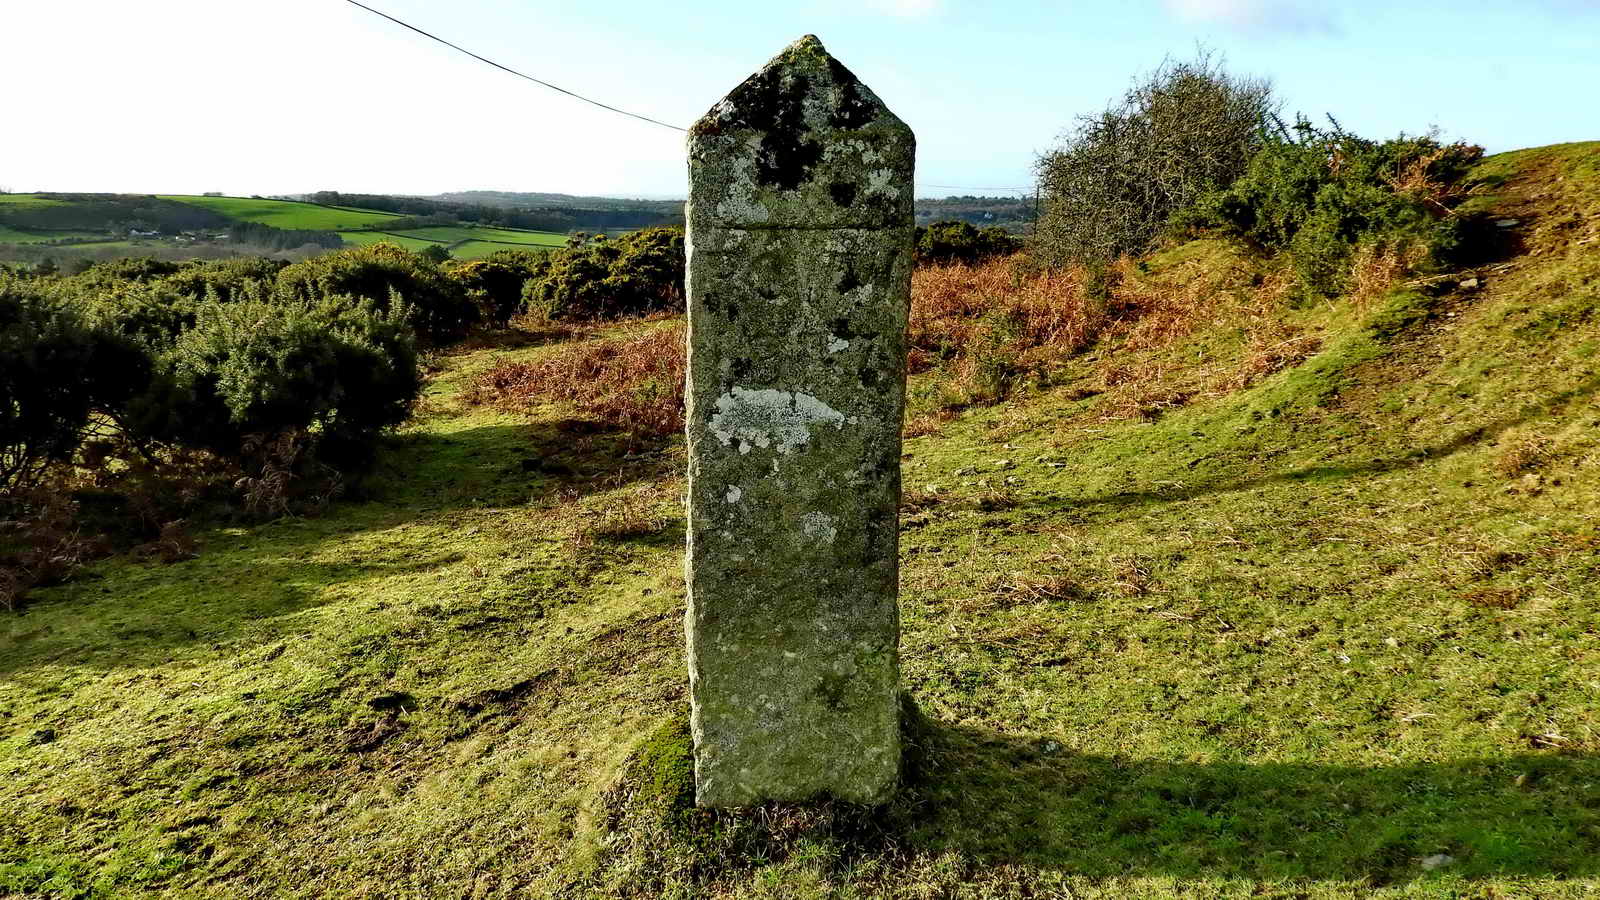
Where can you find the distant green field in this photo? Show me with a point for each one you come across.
(27, 200)
(480, 249)
(450, 235)
(13, 236)
(286, 213)
(367, 238)
(464, 242)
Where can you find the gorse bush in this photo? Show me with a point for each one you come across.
(961, 242)
(1186, 129)
(438, 308)
(495, 283)
(222, 278)
(338, 368)
(56, 371)
(1321, 194)
(152, 314)
(605, 278)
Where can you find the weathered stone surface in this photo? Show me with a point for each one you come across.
(800, 229)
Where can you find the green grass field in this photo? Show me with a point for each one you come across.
(13, 236)
(462, 242)
(1286, 640)
(465, 242)
(27, 200)
(368, 238)
(287, 213)
(503, 236)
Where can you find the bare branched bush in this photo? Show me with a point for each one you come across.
(283, 475)
(1118, 176)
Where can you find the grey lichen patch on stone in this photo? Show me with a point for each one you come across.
(800, 233)
(768, 418)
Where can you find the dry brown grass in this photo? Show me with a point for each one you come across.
(985, 328)
(990, 327)
(42, 543)
(1522, 454)
(1377, 268)
(1047, 308)
(634, 384)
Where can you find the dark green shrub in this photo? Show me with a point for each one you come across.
(1320, 194)
(494, 283)
(435, 253)
(437, 308)
(1184, 130)
(961, 242)
(121, 271)
(55, 372)
(338, 368)
(223, 277)
(605, 278)
(151, 314)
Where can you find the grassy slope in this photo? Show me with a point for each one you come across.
(287, 213)
(29, 200)
(366, 238)
(1287, 640)
(463, 242)
(492, 235)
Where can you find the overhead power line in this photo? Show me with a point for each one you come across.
(576, 96)
(491, 62)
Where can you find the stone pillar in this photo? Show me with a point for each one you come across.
(800, 237)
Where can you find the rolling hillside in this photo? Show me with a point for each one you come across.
(1249, 599)
(68, 223)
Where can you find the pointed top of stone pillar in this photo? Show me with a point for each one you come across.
(801, 143)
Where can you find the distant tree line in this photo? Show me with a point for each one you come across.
(1011, 213)
(267, 237)
(559, 219)
(115, 212)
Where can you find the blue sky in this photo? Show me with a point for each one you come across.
(302, 95)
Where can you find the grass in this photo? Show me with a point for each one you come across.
(463, 242)
(366, 238)
(28, 200)
(451, 235)
(1190, 617)
(13, 236)
(287, 213)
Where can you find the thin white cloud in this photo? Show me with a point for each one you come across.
(1291, 16)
